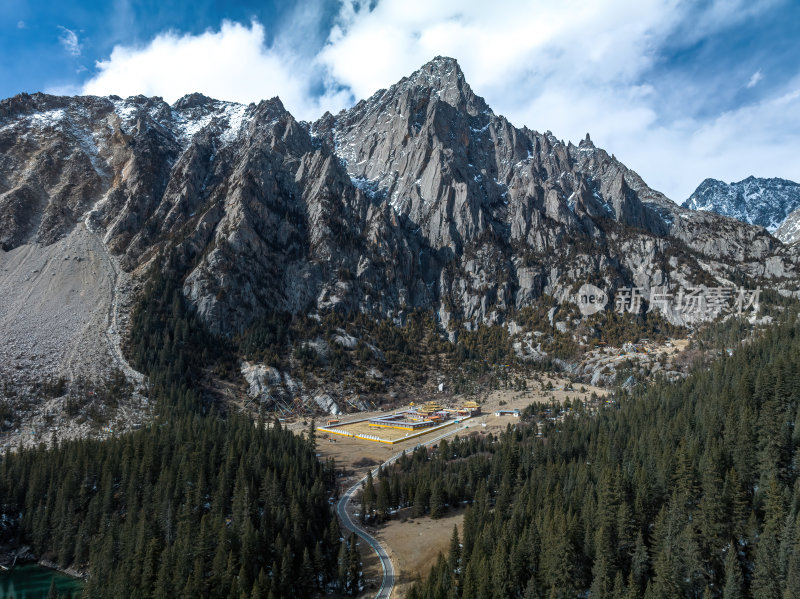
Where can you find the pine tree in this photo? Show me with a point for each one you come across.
(689, 559)
(150, 567)
(734, 581)
(737, 505)
(712, 512)
(632, 590)
(603, 570)
(312, 435)
(502, 584)
(666, 582)
(421, 500)
(531, 591)
(342, 565)
(436, 500)
(367, 497)
(768, 574)
(619, 586)
(792, 586)
(640, 564)
(354, 574)
(454, 555)
(382, 503)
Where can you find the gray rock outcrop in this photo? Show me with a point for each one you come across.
(417, 197)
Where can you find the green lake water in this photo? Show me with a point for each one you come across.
(33, 582)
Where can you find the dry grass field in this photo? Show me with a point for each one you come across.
(415, 545)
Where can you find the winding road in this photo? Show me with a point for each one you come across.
(387, 583)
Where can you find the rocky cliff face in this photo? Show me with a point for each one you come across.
(419, 196)
(763, 202)
(789, 231)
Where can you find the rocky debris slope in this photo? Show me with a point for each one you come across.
(54, 305)
(763, 202)
(62, 309)
(418, 197)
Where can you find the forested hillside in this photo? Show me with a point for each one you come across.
(198, 504)
(684, 490)
(194, 507)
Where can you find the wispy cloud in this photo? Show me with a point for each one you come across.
(756, 77)
(69, 40)
(63, 90)
(21, 25)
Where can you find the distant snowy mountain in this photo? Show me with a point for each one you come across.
(764, 202)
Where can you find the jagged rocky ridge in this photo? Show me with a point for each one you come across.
(419, 196)
(756, 201)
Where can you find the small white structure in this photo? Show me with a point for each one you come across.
(514, 413)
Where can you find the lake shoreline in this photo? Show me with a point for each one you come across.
(32, 580)
(73, 572)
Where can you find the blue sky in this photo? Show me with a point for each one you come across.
(38, 59)
(680, 91)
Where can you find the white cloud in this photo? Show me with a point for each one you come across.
(69, 40)
(498, 48)
(757, 76)
(230, 64)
